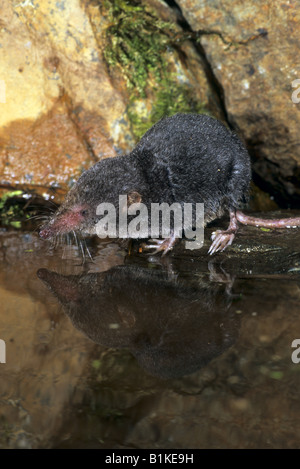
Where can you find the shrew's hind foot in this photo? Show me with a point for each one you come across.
(223, 238)
(164, 245)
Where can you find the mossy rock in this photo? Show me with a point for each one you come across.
(143, 50)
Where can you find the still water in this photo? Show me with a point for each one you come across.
(131, 351)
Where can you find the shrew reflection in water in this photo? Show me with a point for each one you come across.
(172, 326)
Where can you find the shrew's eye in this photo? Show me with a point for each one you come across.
(84, 213)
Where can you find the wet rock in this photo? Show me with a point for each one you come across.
(255, 252)
(81, 81)
(251, 48)
(47, 138)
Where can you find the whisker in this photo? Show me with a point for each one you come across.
(56, 241)
(79, 245)
(53, 203)
(36, 229)
(37, 217)
(82, 251)
(75, 238)
(64, 250)
(88, 251)
(43, 207)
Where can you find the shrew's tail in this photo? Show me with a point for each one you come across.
(267, 223)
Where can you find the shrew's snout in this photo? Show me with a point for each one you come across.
(64, 222)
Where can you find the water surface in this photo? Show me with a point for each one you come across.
(130, 351)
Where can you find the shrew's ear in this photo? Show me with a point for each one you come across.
(133, 197)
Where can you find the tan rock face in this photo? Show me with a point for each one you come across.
(252, 47)
(82, 80)
(55, 84)
(75, 87)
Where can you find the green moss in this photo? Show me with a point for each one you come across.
(8, 195)
(15, 224)
(141, 46)
(112, 363)
(96, 364)
(170, 99)
(135, 42)
(276, 374)
(10, 210)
